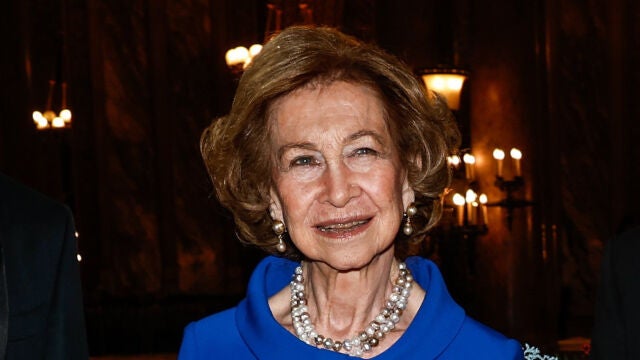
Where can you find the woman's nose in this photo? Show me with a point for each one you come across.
(340, 186)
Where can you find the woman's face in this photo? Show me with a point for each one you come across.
(339, 186)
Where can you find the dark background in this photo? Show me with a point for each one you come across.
(555, 78)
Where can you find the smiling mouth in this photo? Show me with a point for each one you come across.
(342, 227)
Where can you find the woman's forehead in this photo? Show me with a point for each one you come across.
(331, 106)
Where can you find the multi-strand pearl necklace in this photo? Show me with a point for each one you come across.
(367, 339)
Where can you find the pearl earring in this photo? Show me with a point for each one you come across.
(412, 210)
(279, 228)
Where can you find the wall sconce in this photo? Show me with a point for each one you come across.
(509, 187)
(240, 57)
(446, 82)
(469, 206)
(49, 119)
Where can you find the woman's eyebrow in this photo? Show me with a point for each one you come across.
(298, 145)
(364, 133)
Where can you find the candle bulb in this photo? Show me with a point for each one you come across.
(498, 154)
(237, 56)
(475, 207)
(454, 161)
(254, 50)
(516, 155)
(483, 207)
(469, 166)
(458, 200)
(470, 198)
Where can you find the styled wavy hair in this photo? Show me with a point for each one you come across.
(236, 147)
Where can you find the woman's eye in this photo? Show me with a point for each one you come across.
(365, 151)
(303, 161)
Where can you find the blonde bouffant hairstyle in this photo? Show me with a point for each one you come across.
(237, 148)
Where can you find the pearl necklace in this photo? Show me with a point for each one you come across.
(367, 339)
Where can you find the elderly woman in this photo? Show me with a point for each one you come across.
(331, 156)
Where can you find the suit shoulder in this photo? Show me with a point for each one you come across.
(23, 203)
(628, 241)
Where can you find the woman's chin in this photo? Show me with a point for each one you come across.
(352, 259)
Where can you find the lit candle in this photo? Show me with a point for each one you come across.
(458, 200)
(36, 116)
(255, 50)
(483, 206)
(57, 122)
(475, 217)
(498, 154)
(469, 166)
(454, 161)
(65, 114)
(40, 120)
(470, 198)
(516, 155)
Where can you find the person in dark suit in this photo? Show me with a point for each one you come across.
(41, 308)
(616, 332)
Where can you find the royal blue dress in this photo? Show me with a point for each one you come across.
(440, 330)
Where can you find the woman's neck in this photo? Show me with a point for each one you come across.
(342, 304)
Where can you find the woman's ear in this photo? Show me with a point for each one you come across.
(275, 206)
(408, 195)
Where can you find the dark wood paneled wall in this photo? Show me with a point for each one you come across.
(145, 77)
(591, 64)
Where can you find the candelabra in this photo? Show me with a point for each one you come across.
(470, 209)
(240, 57)
(49, 119)
(509, 187)
(466, 211)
